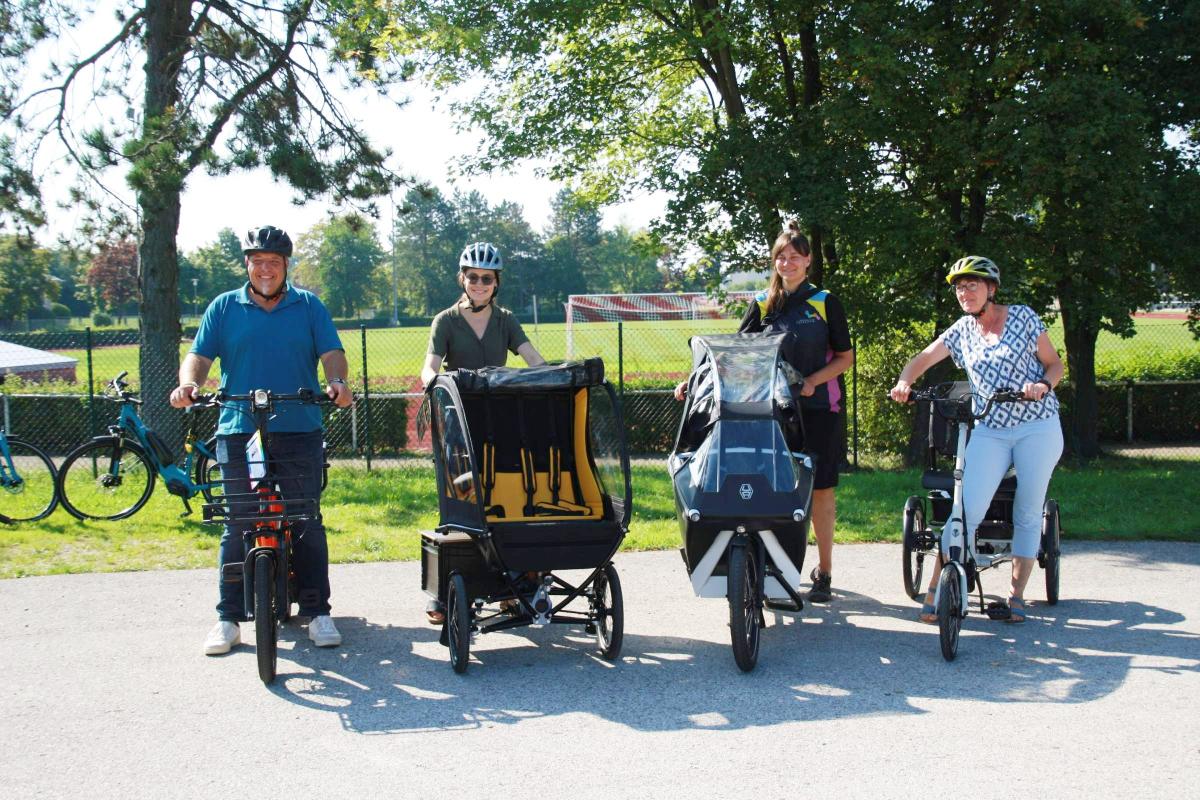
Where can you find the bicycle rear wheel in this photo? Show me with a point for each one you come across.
(105, 479)
(27, 483)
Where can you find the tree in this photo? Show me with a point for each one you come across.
(25, 280)
(343, 259)
(112, 276)
(428, 239)
(215, 267)
(225, 85)
(629, 261)
(900, 132)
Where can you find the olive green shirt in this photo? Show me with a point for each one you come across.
(451, 337)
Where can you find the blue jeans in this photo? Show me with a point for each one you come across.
(296, 464)
(1033, 448)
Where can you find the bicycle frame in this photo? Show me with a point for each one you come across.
(10, 478)
(958, 545)
(270, 528)
(177, 479)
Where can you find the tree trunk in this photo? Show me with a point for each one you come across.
(1080, 333)
(158, 178)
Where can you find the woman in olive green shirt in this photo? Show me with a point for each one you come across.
(475, 332)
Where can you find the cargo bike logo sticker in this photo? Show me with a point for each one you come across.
(746, 491)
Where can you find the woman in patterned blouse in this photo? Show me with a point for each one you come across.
(1000, 347)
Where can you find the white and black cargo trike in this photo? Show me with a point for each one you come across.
(934, 524)
(743, 485)
(532, 480)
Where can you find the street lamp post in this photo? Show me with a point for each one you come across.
(195, 299)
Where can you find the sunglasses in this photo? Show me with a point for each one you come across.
(968, 285)
(472, 278)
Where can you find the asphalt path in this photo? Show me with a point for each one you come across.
(108, 694)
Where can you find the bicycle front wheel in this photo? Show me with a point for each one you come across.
(27, 478)
(105, 479)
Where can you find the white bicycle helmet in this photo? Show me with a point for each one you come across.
(974, 265)
(481, 255)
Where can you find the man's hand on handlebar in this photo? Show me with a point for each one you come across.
(340, 394)
(184, 395)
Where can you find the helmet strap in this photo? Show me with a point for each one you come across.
(983, 308)
(278, 293)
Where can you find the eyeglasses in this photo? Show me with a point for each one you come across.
(968, 285)
(472, 278)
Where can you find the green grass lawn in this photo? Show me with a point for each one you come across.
(376, 516)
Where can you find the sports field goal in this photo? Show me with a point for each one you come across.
(648, 307)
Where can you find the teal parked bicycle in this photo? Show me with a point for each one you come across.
(112, 476)
(27, 480)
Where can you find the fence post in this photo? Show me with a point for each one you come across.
(1129, 412)
(621, 360)
(366, 396)
(91, 391)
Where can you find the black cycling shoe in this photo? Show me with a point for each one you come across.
(821, 591)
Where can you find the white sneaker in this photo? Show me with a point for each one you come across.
(222, 638)
(323, 632)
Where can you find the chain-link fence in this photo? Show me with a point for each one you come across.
(1148, 395)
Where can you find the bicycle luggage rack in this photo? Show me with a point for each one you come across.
(248, 508)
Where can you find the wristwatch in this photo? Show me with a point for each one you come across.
(342, 381)
(1049, 386)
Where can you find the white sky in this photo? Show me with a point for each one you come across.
(421, 137)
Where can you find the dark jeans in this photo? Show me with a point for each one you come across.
(296, 465)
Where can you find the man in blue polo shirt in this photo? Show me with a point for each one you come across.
(269, 335)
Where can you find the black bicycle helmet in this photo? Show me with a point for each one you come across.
(267, 239)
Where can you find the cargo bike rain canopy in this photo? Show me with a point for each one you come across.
(738, 462)
(533, 459)
(740, 417)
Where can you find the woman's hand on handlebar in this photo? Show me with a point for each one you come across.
(901, 391)
(1035, 391)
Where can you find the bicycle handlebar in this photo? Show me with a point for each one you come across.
(935, 393)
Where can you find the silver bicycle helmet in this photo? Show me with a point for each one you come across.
(481, 255)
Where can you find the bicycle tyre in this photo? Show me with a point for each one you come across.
(206, 473)
(266, 629)
(1051, 544)
(609, 612)
(743, 607)
(87, 489)
(914, 557)
(458, 624)
(33, 498)
(949, 612)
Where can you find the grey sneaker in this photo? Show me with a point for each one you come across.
(820, 591)
(323, 632)
(222, 638)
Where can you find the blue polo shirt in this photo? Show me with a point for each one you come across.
(276, 350)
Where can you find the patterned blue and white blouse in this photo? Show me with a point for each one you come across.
(1010, 363)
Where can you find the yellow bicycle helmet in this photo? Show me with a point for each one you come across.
(973, 265)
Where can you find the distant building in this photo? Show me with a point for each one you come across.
(35, 365)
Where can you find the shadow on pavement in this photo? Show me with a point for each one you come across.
(857, 656)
